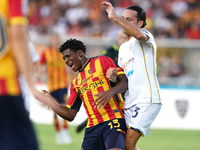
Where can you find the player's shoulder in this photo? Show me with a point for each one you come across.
(147, 32)
(101, 58)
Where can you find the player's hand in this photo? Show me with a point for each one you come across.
(44, 97)
(39, 96)
(111, 74)
(109, 10)
(102, 99)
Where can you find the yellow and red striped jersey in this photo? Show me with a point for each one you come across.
(11, 13)
(92, 80)
(56, 69)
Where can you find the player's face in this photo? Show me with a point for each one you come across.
(130, 16)
(72, 59)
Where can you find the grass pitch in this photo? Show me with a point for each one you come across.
(156, 140)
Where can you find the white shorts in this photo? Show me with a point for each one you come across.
(140, 116)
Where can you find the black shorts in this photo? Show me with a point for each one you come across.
(16, 130)
(106, 135)
(60, 95)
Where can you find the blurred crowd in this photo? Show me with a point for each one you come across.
(88, 18)
(165, 18)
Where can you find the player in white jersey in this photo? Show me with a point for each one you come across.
(137, 56)
(34, 56)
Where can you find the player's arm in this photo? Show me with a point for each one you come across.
(20, 50)
(128, 27)
(104, 97)
(19, 43)
(62, 110)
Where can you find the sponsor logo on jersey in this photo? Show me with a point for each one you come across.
(130, 73)
(90, 71)
(93, 85)
(126, 64)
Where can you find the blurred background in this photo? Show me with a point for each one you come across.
(175, 25)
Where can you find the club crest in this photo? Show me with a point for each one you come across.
(90, 71)
(181, 107)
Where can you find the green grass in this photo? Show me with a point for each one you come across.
(170, 140)
(46, 138)
(156, 140)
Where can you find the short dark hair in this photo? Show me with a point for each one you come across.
(73, 45)
(141, 14)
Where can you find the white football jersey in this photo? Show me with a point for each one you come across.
(139, 63)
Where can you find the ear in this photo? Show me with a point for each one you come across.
(140, 23)
(80, 53)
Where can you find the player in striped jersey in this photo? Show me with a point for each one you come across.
(106, 125)
(111, 52)
(16, 130)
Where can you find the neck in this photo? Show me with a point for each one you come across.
(129, 37)
(84, 59)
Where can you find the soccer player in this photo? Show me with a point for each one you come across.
(57, 81)
(137, 56)
(106, 126)
(16, 130)
(111, 52)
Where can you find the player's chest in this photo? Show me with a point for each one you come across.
(90, 80)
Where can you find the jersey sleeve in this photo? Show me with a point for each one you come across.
(17, 12)
(107, 63)
(151, 38)
(74, 101)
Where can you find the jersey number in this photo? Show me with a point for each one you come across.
(114, 124)
(136, 112)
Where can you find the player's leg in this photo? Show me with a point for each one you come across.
(65, 133)
(56, 124)
(115, 141)
(138, 119)
(93, 139)
(114, 134)
(59, 140)
(132, 138)
(62, 99)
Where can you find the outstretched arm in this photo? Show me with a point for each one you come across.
(128, 27)
(61, 110)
